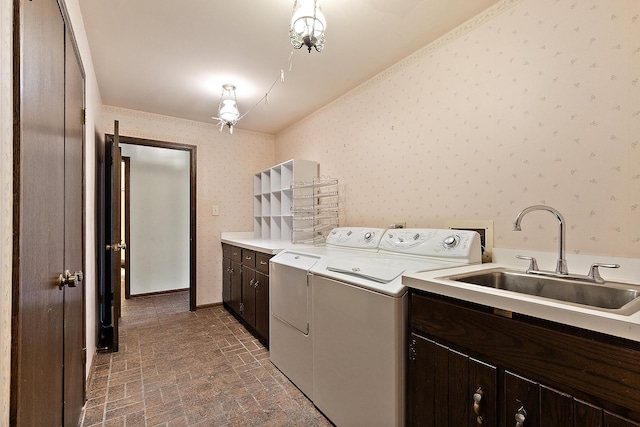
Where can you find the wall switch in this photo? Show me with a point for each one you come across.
(215, 210)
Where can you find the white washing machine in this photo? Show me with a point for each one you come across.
(359, 317)
(290, 294)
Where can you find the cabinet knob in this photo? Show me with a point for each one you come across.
(255, 285)
(521, 416)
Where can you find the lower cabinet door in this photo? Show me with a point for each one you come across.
(483, 385)
(449, 388)
(235, 294)
(556, 408)
(226, 280)
(248, 310)
(521, 401)
(262, 305)
(612, 420)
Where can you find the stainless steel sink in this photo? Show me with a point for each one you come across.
(615, 297)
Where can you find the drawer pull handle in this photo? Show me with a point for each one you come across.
(263, 263)
(247, 257)
(477, 399)
(521, 416)
(412, 351)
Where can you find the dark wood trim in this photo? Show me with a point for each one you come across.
(170, 291)
(15, 267)
(211, 305)
(192, 249)
(127, 222)
(192, 149)
(74, 43)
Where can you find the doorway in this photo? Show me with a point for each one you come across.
(157, 248)
(149, 230)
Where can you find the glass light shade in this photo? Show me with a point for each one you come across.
(307, 25)
(229, 111)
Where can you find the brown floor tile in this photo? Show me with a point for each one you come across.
(177, 368)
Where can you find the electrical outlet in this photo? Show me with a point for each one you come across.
(398, 225)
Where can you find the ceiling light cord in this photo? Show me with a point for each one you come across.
(280, 78)
(230, 124)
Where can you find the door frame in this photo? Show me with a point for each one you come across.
(192, 149)
(126, 167)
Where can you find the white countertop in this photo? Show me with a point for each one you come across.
(623, 326)
(619, 325)
(246, 240)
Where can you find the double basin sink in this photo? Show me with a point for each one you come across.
(614, 297)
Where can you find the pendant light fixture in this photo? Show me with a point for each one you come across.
(228, 113)
(307, 25)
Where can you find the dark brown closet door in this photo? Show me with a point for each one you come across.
(36, 382)
(73, 237)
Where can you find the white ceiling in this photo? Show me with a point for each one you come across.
(171, 57)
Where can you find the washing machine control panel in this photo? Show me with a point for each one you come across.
(458, 244)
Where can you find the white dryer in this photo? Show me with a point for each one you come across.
(290, 294)
(360, 322)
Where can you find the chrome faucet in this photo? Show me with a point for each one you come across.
(561, 266)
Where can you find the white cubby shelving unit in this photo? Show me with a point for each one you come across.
(272, 217)
(314, 209)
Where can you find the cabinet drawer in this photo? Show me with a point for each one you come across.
(262, 263)
(236, 253)
(226, 251)
(248, 258)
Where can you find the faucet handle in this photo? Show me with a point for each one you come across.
(533, 264)
(594, 272)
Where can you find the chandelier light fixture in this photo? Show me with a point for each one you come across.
(228, 113)
(307, 25)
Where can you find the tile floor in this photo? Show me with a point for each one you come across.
(181, 368)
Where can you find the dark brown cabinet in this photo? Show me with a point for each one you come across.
(262, 302)
(245, 288)
(231, 277)
(470, 367)
(448, 388)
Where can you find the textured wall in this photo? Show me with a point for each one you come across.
(531, 102)
(225, 168)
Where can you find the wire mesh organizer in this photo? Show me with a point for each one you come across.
(314, 209)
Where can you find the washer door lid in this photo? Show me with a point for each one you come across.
(377, 272)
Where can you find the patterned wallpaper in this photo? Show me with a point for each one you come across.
(6, 203)
(225, 168)
(531, 102)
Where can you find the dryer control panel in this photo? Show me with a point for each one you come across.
(355, 237)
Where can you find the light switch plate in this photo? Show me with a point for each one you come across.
(215, 210)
